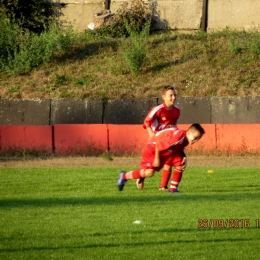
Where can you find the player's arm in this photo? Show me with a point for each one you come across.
(156, 161)
(147, 125)
(150, 131)
(182, 154)
(148, 121)
(184, 160)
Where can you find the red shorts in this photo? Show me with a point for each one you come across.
(175, 159)
(171, 159)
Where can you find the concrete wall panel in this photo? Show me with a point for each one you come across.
(127, 139)
(13, 138)
(173, 14)
(122, 139)
(117, 5)
(68, 111)
(80, 13)
(76, 111)
(194, 110)
(217, 110)
(233, 14)
(94, 111)
(34, 138)
(238, 138)
(80, 139)
(130, 111)
(180, 15)
(24, 111)
(235, 110)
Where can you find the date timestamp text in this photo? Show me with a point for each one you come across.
(227, 223)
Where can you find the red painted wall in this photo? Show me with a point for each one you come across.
(121, 139)
(18, 137)
(127, 139)
(80, 139)
(238, 138)
(207, 142)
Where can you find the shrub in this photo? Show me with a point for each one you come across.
(134, 48)
(34, 15)
(22, 50)
(138, 14)
(8, 35)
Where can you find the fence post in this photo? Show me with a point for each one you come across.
(204, 22)
(107, 4)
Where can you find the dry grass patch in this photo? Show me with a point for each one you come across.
(125, 161)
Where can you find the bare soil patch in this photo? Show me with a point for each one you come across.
(78, 161)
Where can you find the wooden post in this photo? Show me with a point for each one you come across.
(204, 22)
(107, 4)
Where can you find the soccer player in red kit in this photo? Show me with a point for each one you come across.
(167, 146)
(159, 118)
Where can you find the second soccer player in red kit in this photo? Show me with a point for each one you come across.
(167, 146)
(159, 118)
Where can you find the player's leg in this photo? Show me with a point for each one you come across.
(121, 181)
(176, 160)
(166, 175)
(176, 179)
(146, 161)
(140, 183)
(136, 174)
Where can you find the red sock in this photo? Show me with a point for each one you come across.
(166, 174)
(176, 178)
(136, 174)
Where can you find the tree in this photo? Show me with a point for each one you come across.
(35, 15)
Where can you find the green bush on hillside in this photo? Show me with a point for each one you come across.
(138, 14)
(30, 35)
(134, 48)
(34, 15)
(22, 50)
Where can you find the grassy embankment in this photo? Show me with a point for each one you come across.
(214, 64)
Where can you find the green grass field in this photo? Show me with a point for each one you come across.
(78, 213)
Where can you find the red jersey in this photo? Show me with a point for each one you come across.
(170, 141)
(161, 117)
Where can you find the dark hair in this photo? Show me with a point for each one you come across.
(197, 127)
(167, 87)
